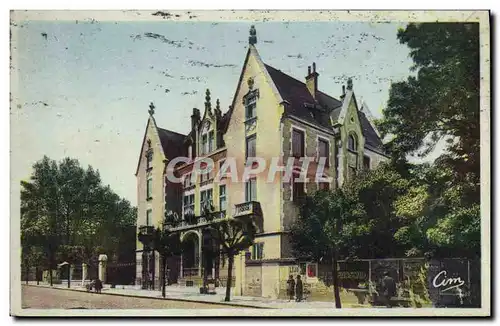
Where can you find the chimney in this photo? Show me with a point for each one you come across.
(343, 92)
(312, 80)
(195, 119)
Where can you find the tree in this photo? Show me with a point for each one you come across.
(32, 257)
(326, 229)
(442, 101)
(377, 191)
(64, 204)
(233, 236)
(167, 244)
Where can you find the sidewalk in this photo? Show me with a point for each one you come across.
(192, 294)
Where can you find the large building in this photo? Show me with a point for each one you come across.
(272, 115)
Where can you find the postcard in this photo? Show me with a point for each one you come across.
(284, 163)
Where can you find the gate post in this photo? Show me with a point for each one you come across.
(102, 268)
(84, 273)
(370, 277)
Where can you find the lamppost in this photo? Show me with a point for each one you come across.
(145, 236)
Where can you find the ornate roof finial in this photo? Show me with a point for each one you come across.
(217, 105)
(151, 109)
(252, 39)
(208, 105)
(349, 83)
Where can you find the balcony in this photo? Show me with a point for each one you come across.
(251, 209)
(193, 222)
(247, 208)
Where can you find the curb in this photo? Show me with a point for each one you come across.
(155, 298)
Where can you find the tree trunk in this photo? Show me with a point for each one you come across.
(69, 276)
(51, 259)
(27, 273)
(164, 271)
(229, 277)
(36, 275)
(336, 291)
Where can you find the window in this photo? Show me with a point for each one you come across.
(222, 198)
(188, 205)
(206, 198)
(149, 188)
(298, 191)
(324, 186)
(251, 190)
(351, 143)
(221, 163)
(211, 141)
(366, 162)
(324, 150)
(149, 160)
(188, 182)
(250, 106)
(149, 217)
(206, 173)
(251, 146)
(190, 152)
(297, 143)
(258, 251)
(204, 144)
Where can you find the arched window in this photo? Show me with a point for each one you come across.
(351, 143)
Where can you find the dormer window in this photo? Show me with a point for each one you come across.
(211, 141)
(204, 144)
(207, 139)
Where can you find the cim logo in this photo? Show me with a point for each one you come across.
(442, 281)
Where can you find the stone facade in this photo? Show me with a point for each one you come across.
(281, 104)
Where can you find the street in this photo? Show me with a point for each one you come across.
(46, 298)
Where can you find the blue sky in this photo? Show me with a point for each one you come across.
(84, 87)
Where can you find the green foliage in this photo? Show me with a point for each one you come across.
(443, 99)
(441, 212)
(67, 211)
(328, 220)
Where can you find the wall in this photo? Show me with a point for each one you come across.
(290, 209)
(157, 201)
(375, 158)
(268, 145)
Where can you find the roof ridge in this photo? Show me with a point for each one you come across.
(265, 64)
(174, 132)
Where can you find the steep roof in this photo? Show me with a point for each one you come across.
(296, 93)
(371, 138)
(172, 143)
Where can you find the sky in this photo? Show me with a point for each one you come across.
(83, 87)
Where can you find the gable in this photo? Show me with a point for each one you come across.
(168, 143)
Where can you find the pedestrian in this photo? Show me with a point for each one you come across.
(388, 289)
(98, 285)
(299, 290)
(290, 289)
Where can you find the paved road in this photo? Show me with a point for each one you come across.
(46, 298)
